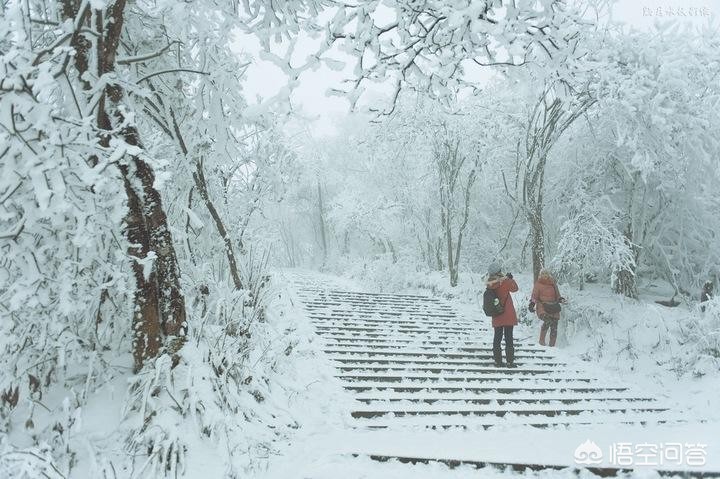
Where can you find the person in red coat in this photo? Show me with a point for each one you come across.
(503, 324)
(545, 301)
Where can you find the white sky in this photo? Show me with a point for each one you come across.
(309, 99)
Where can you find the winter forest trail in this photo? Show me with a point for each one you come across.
(424, 388)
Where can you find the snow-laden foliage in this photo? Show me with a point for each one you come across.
(702, 334)
(131, 175)
(646, 155)
(439, 46)
(61, 211)
(589, 246)
(409, 188)
(140, 197)
(625, 187)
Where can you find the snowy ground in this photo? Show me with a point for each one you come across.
(323, 447)
(296, 421)
(642, 342)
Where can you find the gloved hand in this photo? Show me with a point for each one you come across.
(509, 275)
(531, 307)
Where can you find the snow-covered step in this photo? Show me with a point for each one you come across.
(476, 359)
(389, 314)
(368, 343)
(362, 342)
(409, 342)
(403, 320)
(390, 331)
(412, 362)
(384, 314)
(363, 294)
(473, 361)
(370, 308)
(473, 335)
(407, 304)
(385, 311)
(469, 372)
(405, 317)
(382, 309)
(537, 421)
(476, 331)
(360, 296)
(467, 353)
(437, 339)
(500, 382)
(393, 315)
(467, 378)
(387, 326)
(591, 398)
(390, 335)
(486, 361)
(452, 344)
(486, 389)
(378, 361)
(389, 311)
(497, 410)
(387, 304)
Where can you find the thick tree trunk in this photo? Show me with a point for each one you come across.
(146, 339)
(172, 302)
(159, 304)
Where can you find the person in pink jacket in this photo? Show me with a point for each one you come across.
(503, 324)
(545, 301)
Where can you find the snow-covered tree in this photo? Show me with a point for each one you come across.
(648, 155)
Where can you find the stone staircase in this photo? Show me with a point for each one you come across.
(411, 362)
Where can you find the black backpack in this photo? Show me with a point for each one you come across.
(491, 303)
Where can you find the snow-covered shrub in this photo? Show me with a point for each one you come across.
(701, 335)
(63, 264)
(586, 321)
(27, 463)
(590, 245)
(209, 388)
(632, 336)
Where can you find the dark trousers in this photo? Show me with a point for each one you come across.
(551, 324)
(501, 331)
